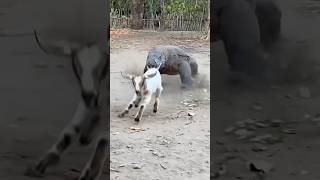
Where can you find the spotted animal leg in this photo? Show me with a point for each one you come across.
(135, 101)
(94, 167)
(67, 137)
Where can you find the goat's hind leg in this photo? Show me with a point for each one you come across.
(146, 100)
(70, 133)
(89, 127)
(94, 167)
(157, 100)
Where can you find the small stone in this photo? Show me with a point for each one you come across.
(257, 106)
(289, 131)
(304, 172)
(307, 116)
(241, 124)
(163, 166)
(158, 154)
(259, 147)
(304, 92)
(136, 166)
(260, 166)
(115, 170)
(261, 125)
(136, 129)
(229, 129)
(243, 133)
(276, 122)
(261, 138)
(249, 121)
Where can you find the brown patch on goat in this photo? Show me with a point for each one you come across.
(145, 92)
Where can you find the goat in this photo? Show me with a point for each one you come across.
(145, 86)
(89, 62)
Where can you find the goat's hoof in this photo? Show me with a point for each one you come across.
(136, 105)
(155, 111)
(136, 119)
(121, 115)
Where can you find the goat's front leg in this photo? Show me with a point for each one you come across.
(157, 100)
(94, 167)
(135, 101)
(145, 100)
(69, 134)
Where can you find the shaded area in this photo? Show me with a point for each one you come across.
(245, 113)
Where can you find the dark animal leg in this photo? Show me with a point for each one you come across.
(88, 128)
(269, 18)
(66, 138)
(94, 167)
(185, 75)
(136, 100)
(139, 114)
(194, 68)
(146, 100)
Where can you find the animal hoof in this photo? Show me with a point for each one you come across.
(186, 87)
(136, 119)
(155, 111)
(136, 105)
(121, 115)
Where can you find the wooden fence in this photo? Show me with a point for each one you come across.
(171, 23)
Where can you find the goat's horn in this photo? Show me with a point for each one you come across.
(56, 47)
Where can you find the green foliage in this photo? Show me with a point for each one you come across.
(151, 7)
(186, 7)
(122, 8)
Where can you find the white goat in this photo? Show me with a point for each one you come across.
(90, 66)
(145, 86)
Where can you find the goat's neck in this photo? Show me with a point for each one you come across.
(144, 86)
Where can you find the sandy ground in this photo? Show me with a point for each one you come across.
(274, 127)
(39, 94)
(169, 144)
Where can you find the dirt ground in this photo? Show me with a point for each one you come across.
(271, 130)
(170, 144)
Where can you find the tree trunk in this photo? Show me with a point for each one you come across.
(137, 14)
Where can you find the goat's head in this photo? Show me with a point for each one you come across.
(138, 82)
(88, 61)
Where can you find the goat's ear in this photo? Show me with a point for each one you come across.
(56, 47)
(127, 76)
(150, 75)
